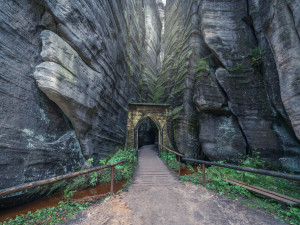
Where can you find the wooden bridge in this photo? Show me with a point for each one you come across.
(158, 197)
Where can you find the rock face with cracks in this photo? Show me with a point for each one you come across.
(73, 86)
(228, 58)
(37, 140)
(68, 70)
(229, 70)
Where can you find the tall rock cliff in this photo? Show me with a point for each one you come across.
(85, 71)
(37, 139)
(68, 70)
(229, 61)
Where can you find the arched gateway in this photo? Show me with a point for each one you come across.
(138, 113)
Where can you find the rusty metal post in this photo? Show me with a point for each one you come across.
(179, 166)
(112, 180)
(167, 157)
(203, 174)
(132, 165)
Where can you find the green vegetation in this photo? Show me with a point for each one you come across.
(68, 208)
(130, 69)
(131, 101)
(201, 67)
(257, 56)
(122, 171)
(51, 215)
(193, 122)
(172, 161)
(176, 111)
(159, 91)
(94, 178)
(39, 8)
(238, 67)
(215, 182)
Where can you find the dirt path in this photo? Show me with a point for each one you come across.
(158, 197)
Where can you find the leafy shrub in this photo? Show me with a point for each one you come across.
(123, 170)
(201, 66)
(49, 215)
(94, 178)
(257, 56)
(238, 67)
(172, 161)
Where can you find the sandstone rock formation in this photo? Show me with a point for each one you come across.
(229, 69)
(66, 101)
(228, 50)
(37, 140)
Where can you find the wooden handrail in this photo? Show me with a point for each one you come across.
(176, 153)
(54, 179)
(64, 177)
(247, 169)
(136, 152)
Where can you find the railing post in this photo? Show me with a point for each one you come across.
(179, 166)
(159, 154)
(203, 174)
(137, 156)
(112, 181)
(132, 165)
(167, 157)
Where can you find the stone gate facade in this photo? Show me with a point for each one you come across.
(137, 113)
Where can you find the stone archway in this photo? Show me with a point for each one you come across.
(140, 122)
(138, 113)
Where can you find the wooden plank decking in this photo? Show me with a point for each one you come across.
(152, 171)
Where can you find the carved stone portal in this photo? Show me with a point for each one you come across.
(137, 113)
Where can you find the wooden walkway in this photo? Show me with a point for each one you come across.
(151, 171)
(157, 196)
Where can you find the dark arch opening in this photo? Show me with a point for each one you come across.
(148, 133)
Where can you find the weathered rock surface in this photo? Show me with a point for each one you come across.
(134, 14)
(143, 47)
(37, 140)
(221, 137)
(219, 133)
(74, 87)
(260, 12)
(223, 29)
(176, 82)
(281, 28)
(118, 42)
(229, 70)
(231, 49)
(88, 50)
(151, 60)
(97, 33)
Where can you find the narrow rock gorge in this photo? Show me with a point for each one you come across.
(230, 71)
